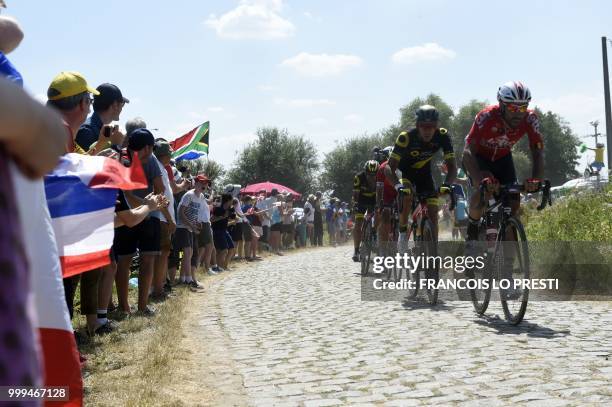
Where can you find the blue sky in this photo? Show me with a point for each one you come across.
(325, 69)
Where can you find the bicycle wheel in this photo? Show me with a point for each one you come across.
(481, 295)
(514, 265)
(414, 276)
(365, 249)
(430, 251)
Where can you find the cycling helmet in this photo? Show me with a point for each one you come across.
(427, 114)
(514, 92)
(387, 152)
(371, 166)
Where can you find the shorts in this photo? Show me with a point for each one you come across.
(423, 183)
(277, 227)
(362, 208)
(235, 232)
(247, 234)
(184, 238)
(461, 223)
(258, 230)
(145, 237)
(165, 243)
(287, 228)
(502, 169)
(205, 236)
(223, 240)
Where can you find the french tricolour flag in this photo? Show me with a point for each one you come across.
(81, 195)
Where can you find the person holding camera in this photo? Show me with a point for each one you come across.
(97, 129)
(220, 217)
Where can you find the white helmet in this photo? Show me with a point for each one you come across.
(514, 92)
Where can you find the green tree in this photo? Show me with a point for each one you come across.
(342, 163)
(279, 157)
(560, 155)
(407, 118)
(461, 125)
(203, 165)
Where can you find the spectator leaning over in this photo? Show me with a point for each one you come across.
(247, 234)
(146, 235)
(219, 221)
(70, 94)
(276, 221)
(318, 220)
(107, 107)
(205, 240)
(309, 215)
(163, 153)
(188, 227)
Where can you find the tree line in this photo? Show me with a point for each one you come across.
(289, 159)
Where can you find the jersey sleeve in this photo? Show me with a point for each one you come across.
(447, 146)
(400, 147)
(536, 141)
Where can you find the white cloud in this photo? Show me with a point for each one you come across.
(318, 65)
(422, 53)
(304, 102)
(252, 19)
(318, 121)
(266, 88)
(353, 118)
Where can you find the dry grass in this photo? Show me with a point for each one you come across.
(140, 363)
(133, 365)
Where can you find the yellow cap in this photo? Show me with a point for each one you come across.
(68, 84)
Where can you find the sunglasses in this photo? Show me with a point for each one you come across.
(516, 108)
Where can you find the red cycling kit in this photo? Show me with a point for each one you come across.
(389, 192)
(494, 139)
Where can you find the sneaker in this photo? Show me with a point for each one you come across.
(196, 287)
(147, 312)
(217, 269)
(107, 328)
(212, 272)
(356, 257)
(257, 258)
(163, 296)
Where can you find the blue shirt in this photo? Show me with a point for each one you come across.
(89, 132)
(8, 70)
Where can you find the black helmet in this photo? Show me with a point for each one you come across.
(427, 114)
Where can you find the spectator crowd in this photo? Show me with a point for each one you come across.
(171, 234)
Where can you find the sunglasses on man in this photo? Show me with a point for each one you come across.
(513, 108)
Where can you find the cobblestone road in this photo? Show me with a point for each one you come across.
(293, 330)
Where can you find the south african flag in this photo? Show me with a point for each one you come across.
(192, 145)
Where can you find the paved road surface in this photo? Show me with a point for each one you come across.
(293, 330)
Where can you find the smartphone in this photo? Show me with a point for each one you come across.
(107, 131)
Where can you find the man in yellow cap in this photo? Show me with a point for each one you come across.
(71, 95)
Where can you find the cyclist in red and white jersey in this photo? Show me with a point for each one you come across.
(488, 147)
(385, 197)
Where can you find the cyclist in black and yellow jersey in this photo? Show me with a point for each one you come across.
(364, 199)
(412, 155)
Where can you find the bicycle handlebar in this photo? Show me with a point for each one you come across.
(544, 187)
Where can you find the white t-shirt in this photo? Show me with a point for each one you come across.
(167, 193)
(193, 205)
(310, 215)
(266, 205)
